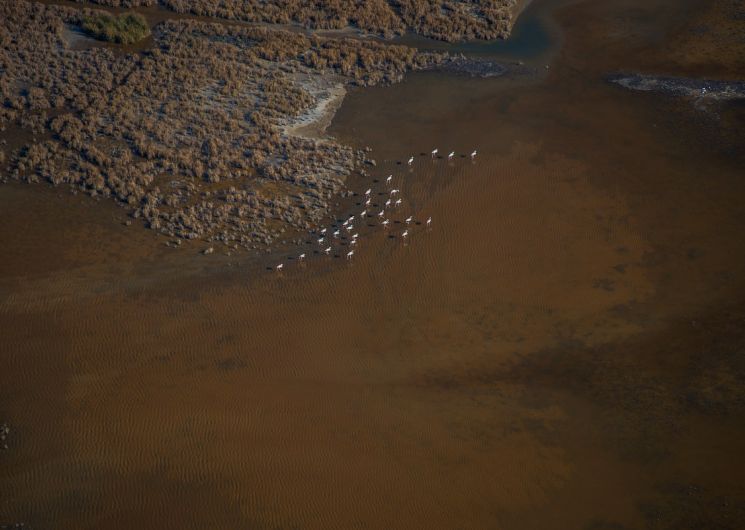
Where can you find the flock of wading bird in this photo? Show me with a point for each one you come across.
(343, 233)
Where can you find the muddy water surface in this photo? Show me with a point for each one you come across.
(562, 348)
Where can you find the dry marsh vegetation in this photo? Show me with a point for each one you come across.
(188, 135)
(448, 20)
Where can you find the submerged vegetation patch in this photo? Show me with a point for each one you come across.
(123, 29)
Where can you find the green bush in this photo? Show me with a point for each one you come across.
(124, 29)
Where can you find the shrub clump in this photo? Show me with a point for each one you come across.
(124, 29)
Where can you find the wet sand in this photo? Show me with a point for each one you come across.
(561, 349)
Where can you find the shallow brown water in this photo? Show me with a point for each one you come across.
(561, 349)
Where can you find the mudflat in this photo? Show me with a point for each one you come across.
(561, 347)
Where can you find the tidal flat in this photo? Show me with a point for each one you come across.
(562, 345)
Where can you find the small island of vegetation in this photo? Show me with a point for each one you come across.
(124, 29)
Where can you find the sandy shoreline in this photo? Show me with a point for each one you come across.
(329, 94)
(518, 9)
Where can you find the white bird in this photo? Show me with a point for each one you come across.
(327, 250)
(434, 153)
(398, 202)
(353, 242)
(323, 231)
(368, 192)
(279, 267)
(367, 202)
(388, 203)
(451, 155)
(351, 218)
(364, 213)
(393, 192)
(411, 160)
(385, 223)
(389, 179)
(406, 233)
(381, 213)
(301, 257)
(429, 221)
(355, 236)
(350, 254)
(320, 241)
(336, 233)
(473, 155)
(345, 223)
(409, 219)
(350, 228)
